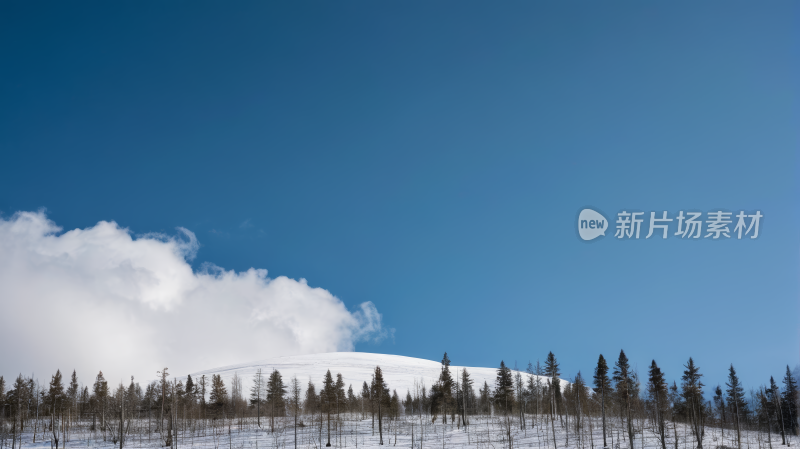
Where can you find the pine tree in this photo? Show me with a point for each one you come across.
(602, 386)
(657, 388)
(736, 402)
(789, 402)
(693, 395)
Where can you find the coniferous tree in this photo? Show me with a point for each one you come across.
(602, 385)
(55, 395)
(276, 390)
(294, 395)
(100, 392)
(789, 402)
(445, 387)
(736, 402)
(504, 389)
(190, 390)
(551, 368)
(366, 400)
(352, 400)
(775, 408)
(467, 393)
(623, 385)
(73, 390)
(408, 404)
(328, 400)
(580, 399)
(657, 389)
(719, 402)
(218, 396)
(311, 400)
(202, 391)
(257, 394)
(163, 374)
(341, 396)
(693, 395)
(380, 395)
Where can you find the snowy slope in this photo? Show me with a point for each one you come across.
(356, 368)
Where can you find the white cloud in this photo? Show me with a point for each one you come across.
(99, 299)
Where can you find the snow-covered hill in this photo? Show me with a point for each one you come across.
(356, 368)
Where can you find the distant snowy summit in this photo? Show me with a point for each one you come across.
(400, 372)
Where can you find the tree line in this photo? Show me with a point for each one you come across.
(615, 396)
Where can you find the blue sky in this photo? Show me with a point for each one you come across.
(432, 157)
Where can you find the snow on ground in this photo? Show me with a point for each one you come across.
(356, 368)
(482, 433)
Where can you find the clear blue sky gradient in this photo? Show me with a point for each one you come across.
(431, 157)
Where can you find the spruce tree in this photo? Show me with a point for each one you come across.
(467, 393)
(657, 388)
(485, 399)
(504, 388)
(789, 402)
(380, 396)
(55, 395)
(190, 387)
(341, 396)
(719, 402)
(581, 398)
(624, 387)
(445, 388)
(328, 399)
(257, 393)
(736, 402)
(100, 391)
(352, 400)
(219, 394)
(693, 395)
(311, 400)
(276, 390)
(602, 385)
(551, 368)
(73, 390)
(366, 401)
(777, 410)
